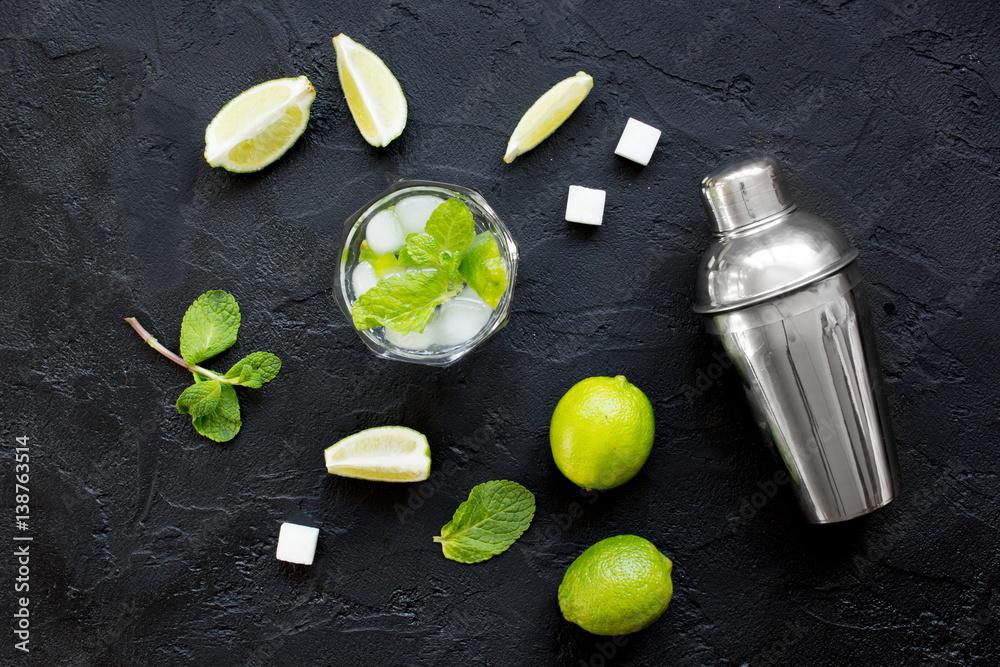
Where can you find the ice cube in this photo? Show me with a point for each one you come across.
(461, 319)
(638, 141)
(414, 212)
(297, 544)
(384, 235)
(415, 340)
(469, 294)
(585, 205)
(363, 278)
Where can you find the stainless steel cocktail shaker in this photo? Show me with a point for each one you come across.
(781, 290)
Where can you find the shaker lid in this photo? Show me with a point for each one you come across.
(742, 193)
(749, 263)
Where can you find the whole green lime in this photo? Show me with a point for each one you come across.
(619, 585)
(601, 432)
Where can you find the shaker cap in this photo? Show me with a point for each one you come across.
(742, 193)
(747, 264)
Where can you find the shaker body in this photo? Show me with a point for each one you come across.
(810, 369)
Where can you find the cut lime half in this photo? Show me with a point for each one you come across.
(381, 454)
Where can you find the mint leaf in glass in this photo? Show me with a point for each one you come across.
(452, 226)
(209, 326)
(482, 267)
(423, 251)
(404, 302)
(488, 523)
(420, 250)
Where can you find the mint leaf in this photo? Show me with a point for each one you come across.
(404, 302)
(488, 523)
(214, 409)
(449, 264)
(482, 267)
(421, 249)
(452, 226)
(255, 370)
(223, 423)
(200, 399)
(209, 326)
(217, 428)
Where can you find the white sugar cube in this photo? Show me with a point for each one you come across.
(297, 544)
(638, 141)
(585, 205)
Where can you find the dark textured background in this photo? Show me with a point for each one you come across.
(155, 546)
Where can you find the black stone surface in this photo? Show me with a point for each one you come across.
(154, 546)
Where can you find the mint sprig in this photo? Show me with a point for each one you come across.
(488, 523)
(209, 327)
(405, 302)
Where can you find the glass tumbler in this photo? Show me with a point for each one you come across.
(485, 219)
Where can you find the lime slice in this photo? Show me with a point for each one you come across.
(482, 268)
(259, 125)
(382, 263)
(549, 112)
(373, 93)
(381, 454)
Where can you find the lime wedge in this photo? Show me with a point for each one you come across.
(373, 93)
(381, 454)
(256, 128)
(482, 268)
(549, 112)
(382, 263)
